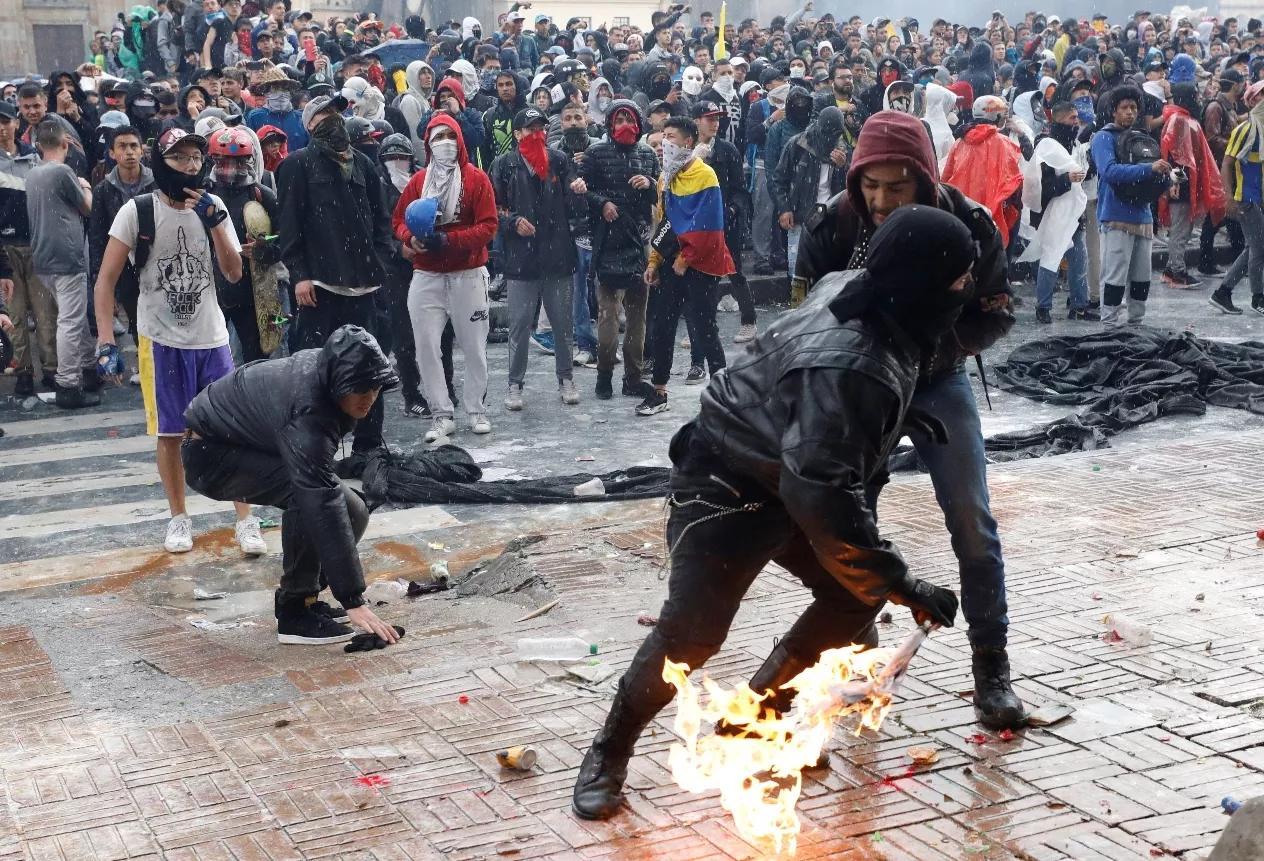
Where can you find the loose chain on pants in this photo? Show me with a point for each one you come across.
(720, 511)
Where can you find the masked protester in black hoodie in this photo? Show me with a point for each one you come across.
(980, 74)
(268, 433)
(141, 107)
(68, 101)
(776, 467)
(232, 152)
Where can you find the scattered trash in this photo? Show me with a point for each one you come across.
(374, 780)
(886, 618)
(111, 432)
(1125, 553)
(281, 723)
(1230, 805)
(436, 545)
(647, 620)
(585, 458)
(1129, 630)
(1112, 637)
(520, 758)
(200, 594)
(593, 673)
(30, 403)
(367, 642)
(1055, 805)
(1006, 735)
(1096, 468)
(922, 755)
(592, 487)
(977, 738)
(204, 624)
(1097, 596)
(1199, 597)
(415, 589)
(1259, 533)
(1049, 714)
(554, 648)
(876, 837)
(539, 612)
(439, 571)
(268, 523)
(46, 397)
(463, 700)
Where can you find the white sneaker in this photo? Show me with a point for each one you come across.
(119, 328)
(443, 426)
(479, 423)
(249, 538)
(513, 400)
(570, 396)
(582, 358)
(745, 334)
(135, 379)
(179, 534)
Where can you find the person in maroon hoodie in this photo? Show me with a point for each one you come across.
(894, 165)
(449, 271)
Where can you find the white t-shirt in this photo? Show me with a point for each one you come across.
(178, 306)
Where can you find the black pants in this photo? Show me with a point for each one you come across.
(1207, 240)
(738, 289)
(246, 325)
(228, 472)
(316, 324)
(714, 561)
(694, 294)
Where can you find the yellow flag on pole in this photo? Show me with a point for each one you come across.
(721, 52)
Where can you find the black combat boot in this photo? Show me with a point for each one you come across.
(995, 703)
(605, 384)
(599, 788)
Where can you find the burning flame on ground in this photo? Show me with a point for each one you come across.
(758, 771)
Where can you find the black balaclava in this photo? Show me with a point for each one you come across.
(1064, 134)
(1186, 96)
(822, 135)
(172, 183)
(799, 107)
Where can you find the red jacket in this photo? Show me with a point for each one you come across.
(475, 225)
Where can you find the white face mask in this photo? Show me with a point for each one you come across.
(397, 170)
(674, 160)
(691, 81)
(443, 152)
(796, 71)
(603, 103)
(724, 85)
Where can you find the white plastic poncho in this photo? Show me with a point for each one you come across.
(1061, 218)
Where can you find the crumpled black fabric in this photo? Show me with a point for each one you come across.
(448, 475)
(1124, 377)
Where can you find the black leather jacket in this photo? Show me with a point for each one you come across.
(810, 412)
(619, 245)
(834, 229)
(288, 407)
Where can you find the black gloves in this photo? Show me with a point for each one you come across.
(919, 420)
(436, 241)
(369, 642)
(206, 210)
(928, 602)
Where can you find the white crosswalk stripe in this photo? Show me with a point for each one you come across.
(49, 489)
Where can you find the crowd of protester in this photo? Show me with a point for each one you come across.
(232, 183)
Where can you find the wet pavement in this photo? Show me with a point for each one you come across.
(136, 720)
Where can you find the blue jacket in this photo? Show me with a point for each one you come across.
(1112, 173)
(291, 123)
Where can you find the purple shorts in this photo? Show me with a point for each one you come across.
(171, 377)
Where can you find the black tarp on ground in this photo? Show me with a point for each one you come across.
(448, 476)
(1124, 377)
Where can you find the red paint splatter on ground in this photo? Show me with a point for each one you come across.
(890, 779)
(373, 780)
(1007, 735)
(463, 699)
(977, 738)
(1112, 637)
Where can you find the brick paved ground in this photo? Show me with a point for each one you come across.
(375, 757)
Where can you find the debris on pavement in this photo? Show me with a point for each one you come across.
(1128, 630)
(647, 620)
(200, 594)
(374, 780)
(885, 619)
(922, 755)
(1125, 553)
(367, 642)
(520, 758)
(1050, 713)
(439, 571)
(592, 674)
(585, 458)
(554, 648)
(204, 624)
(593, 487)
(1229, 804)
(540, 611)
(415, 589)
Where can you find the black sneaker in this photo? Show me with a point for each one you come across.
(762, 269)
(74, 399)
(637, 389)
(696, 375)
(655, 402)
(1224, 301)
(332, 613)
(49, 381)
(1181, 280)
(311, 629)
(1257, 303)
(91, 380)
(605, 388)
(25, 387)
(1084, 315)
(1043, 315)
(1211, 269)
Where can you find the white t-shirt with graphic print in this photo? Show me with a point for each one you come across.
(178, 306)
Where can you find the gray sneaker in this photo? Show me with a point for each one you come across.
(566, 388)
(513, 400)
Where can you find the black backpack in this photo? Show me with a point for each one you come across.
(145, 228)
(1137, 147)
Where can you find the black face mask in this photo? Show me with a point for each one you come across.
(799, 112)
(172, 182)
(371, 150)
(659, 90)
(575, 140)
(1064, 134)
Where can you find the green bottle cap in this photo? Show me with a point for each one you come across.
(592, 648)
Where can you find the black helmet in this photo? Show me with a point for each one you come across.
(382, 127)
(359, 129)
(396, 146)
(566, 68)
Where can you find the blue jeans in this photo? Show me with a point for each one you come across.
(958, 471)
(1077, 276)
(585, 332)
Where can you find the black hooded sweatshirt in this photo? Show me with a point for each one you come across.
(288, 407)
(980, 74)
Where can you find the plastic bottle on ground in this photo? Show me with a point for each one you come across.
(555, 649)
(1131, 631)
